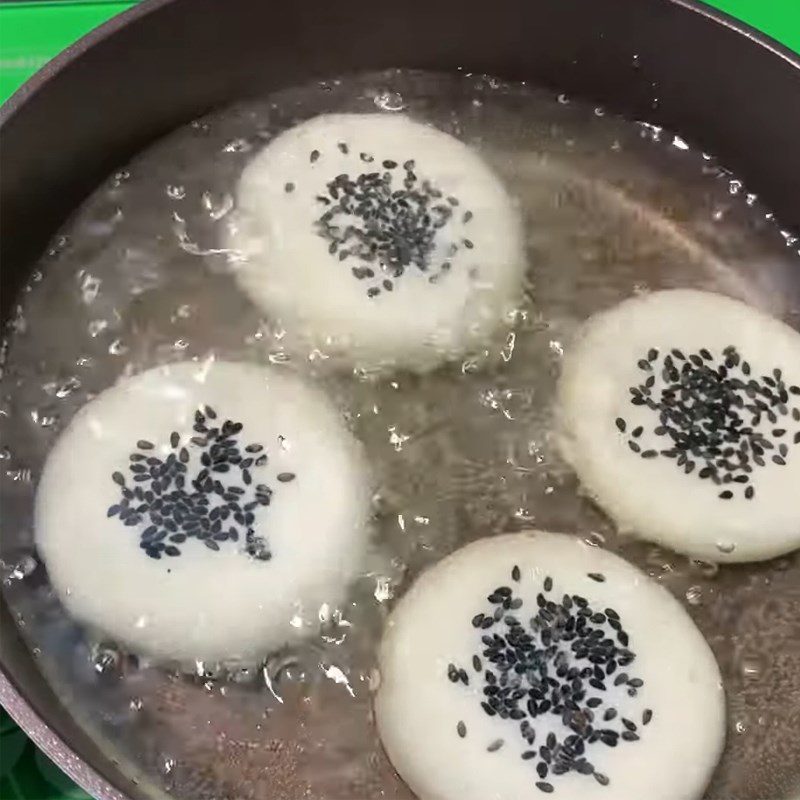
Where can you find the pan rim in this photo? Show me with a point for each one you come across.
(61, 61)
(52, 745)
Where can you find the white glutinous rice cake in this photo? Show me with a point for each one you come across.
(377, 240)
(204, 511)
(680, 412)
(534, 663)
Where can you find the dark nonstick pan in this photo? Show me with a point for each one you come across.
(672, 62)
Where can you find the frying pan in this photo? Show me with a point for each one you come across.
(671, 62)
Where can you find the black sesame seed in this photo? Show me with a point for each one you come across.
(609, 738)
(515, 573)
(461, 728)
(143, 444)
(118, 478)
(596, 576)
(545, 787)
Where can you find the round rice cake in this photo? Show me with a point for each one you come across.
(203, 511)
(534, 663)
(680, 412)
(377, 240)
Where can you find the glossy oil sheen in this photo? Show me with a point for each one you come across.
(138, 277)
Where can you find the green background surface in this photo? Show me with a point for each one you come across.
(30, 35)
